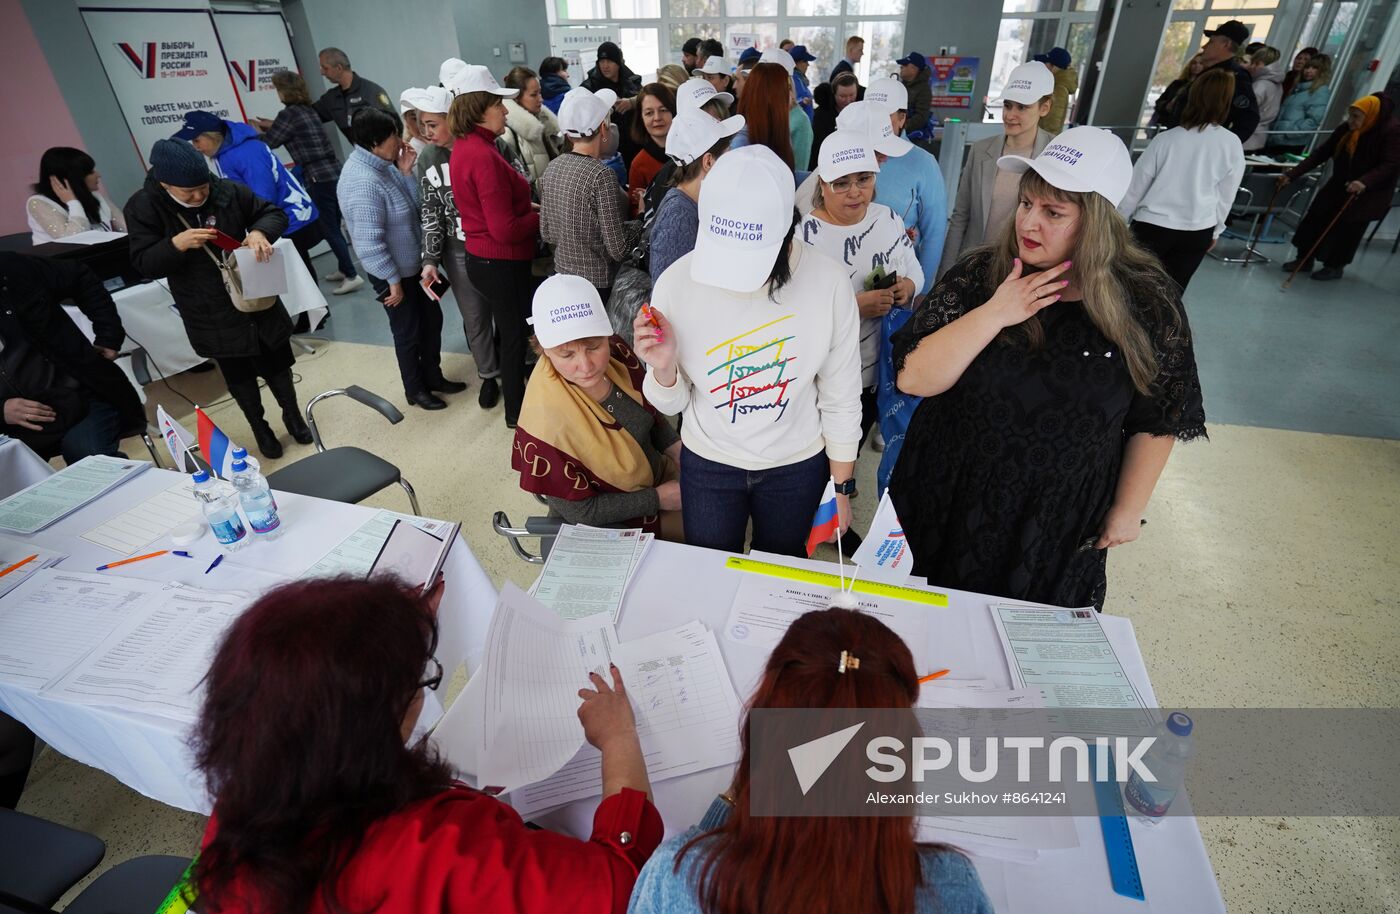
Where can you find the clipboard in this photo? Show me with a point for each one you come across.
(414, 554)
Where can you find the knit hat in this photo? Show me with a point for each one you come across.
(178, 164)
(610, 51)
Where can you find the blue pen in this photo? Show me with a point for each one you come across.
(214, 564)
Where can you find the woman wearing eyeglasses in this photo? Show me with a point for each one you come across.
(868, 240)
(324, 802)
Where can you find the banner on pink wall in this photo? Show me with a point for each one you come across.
(162, 64)
(257, 45)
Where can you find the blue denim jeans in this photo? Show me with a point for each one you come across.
(719, 500)
(328, 217)
(100, 432)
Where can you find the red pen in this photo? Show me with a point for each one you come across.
(646, 312)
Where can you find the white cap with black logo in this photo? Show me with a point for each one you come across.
(693, 133)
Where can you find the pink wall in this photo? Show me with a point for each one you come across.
(34, 111)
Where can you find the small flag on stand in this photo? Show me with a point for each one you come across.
(217, 448)
(826, 521)
(178, 439)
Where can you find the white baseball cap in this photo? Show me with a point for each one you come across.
(695, 93)
(476, 78)
(872, 120)
(450, 68)
(693, 132)
(745, 213)
(845, 152)
(781, 57)
(1081, 160)
(433, 99)
(581, 112)
(567, 308)
(891, 94)
(713, 66)
(1028, 83)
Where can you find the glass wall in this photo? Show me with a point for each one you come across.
(1185, 34)
(1030, 27)
(653, 31)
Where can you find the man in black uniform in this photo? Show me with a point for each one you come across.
(350, 93)
(1221, 52)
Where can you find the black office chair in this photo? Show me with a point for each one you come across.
(344, 474)
(41, 860)
(545, 528)
(135, 886)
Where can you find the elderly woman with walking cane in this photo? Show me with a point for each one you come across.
(1365, 152)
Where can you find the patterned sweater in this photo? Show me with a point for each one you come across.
(441, 221)
(380, 206)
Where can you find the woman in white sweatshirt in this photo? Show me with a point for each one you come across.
(1185, 181)
(754, 337)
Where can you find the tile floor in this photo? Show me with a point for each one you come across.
(1267, 576)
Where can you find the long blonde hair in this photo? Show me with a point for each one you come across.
(1116, 275)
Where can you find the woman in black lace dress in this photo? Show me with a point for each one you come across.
(1058, 372)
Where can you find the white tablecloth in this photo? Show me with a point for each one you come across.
(20, 467)
(152, 324)
(149, 754)
(1176, 872)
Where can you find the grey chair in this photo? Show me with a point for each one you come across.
(1252, 202)
(135, 886)
(41, 860)
(545, 528)
(345, 474)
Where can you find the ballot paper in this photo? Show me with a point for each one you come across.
(13, 552)
(885, 547)
(687, 717)
(32, 509)
(91, 236)
(765, 606)
(413, 554)
(39, 642)
(143, 524)
(1065, 654)
(155, 659)
(355, 554)
(535, 663)
(588, 570)
(261, 279)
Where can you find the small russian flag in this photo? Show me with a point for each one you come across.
(216, 446)
(826, 521)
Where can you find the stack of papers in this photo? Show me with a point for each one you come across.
(125, 643)
(588, 571)
(46, 502)
(355, 554)
(532, 743)
(19, 560)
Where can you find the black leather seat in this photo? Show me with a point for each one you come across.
(41, 860)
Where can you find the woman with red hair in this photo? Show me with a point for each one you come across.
(324, 804)
(734, 862)
(764, 105)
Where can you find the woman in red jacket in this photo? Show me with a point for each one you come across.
(321, 806)
(501, 224)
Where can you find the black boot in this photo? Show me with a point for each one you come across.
(249, 399)
(284, 389)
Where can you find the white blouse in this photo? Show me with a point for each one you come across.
(51, 221)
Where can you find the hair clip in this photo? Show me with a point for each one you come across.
(849, 661)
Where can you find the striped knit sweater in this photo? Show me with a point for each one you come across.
(380, 206)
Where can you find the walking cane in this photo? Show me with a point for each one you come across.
(1351, 198)
(1259, 226)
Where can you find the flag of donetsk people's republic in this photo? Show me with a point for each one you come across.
(826, 521)
(217, 448)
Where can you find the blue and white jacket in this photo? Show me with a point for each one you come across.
(248, 160)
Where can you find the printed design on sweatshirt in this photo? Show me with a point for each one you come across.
(754, 371)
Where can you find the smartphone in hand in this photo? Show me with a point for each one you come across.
(435, 290)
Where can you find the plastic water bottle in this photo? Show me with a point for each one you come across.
(241, 453)
(256, 497)
(1167, 760)
(220, 511)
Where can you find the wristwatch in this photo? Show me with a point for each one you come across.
(847, 488)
